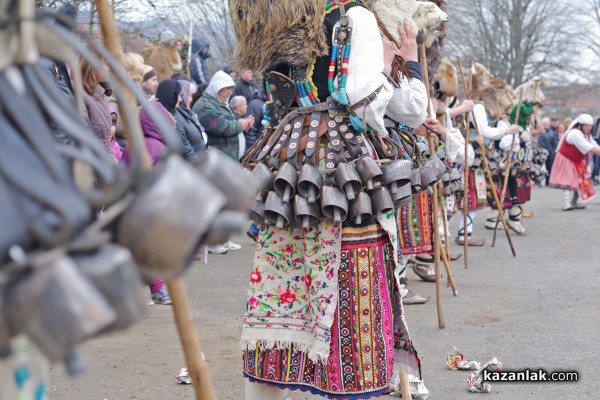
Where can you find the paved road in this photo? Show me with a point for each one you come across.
(539, 310)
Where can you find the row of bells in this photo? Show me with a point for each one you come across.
(295, 199)
(97, 286)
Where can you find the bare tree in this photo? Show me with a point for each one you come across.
(516, 39)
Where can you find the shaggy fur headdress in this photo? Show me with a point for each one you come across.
(446, 78)
(274, 32)
(532, 91)
(498, 96)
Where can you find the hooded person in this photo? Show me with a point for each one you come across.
(223, 129)
(168, 94)
(570, 168)
(187, 121)
(198, 68)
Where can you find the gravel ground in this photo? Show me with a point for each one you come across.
(538, 310)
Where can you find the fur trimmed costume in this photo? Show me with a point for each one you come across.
(310, 285)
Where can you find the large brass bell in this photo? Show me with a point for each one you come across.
(285, 182)
(360, 208)
(277, 211)
(114, 273)
(348, 180)
(310, 182)
(263, 177)
(334, 204)
(57, 308)
(369, 172)
(234, 182)
(396, 173)
(381, 201)
(307, 214)
(164, 225)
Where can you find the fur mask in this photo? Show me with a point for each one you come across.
(426, 18)
(498, 96)
(274, 32)
(531, 91)
(446, 81)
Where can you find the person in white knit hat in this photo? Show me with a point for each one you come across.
(569, 171)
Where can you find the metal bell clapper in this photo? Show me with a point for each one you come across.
(263, 177)
(415, 180)
(310, 182)
(369, 171)
(334, 204)
(168, 218)
(57, 308)
(278, 211)
(348, 180)
(381, 201)
(360, 208)
(232, 180)
(113, 271)
(307, 214)
(286, 181)
(396, 173)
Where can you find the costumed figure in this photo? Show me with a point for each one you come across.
(164, 55)
(570, 168)
(518, 190)
(324, 311)
(450, 150)
(493, 98)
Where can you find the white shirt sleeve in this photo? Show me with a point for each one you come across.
(455, 144)
(507, 139)
(407, 104)
(578, 139)
(479, 115)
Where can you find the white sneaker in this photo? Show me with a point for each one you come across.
(218, 249)
(232, 246)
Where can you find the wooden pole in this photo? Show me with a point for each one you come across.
(444, 251)
(436, 234)
(181, 307)
(507, 168)
(466, 164)
(404, 386)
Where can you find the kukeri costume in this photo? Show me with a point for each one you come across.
(324, 311)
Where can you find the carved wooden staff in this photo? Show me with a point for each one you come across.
(436, 257)
(489, 175)
(181, 308)
(466, 164)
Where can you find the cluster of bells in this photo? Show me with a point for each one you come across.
(301, 199)
(97, 285)
(534, 166)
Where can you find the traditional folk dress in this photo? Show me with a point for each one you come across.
(569, 171)
(324, 311)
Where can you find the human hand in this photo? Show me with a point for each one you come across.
(513, 129)
(467, 105)
(245, 123)
(408, 48)
(389, 52)
(479, 139)
(436, 126)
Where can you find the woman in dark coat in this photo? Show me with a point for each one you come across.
(187, 121)
(169, 95)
